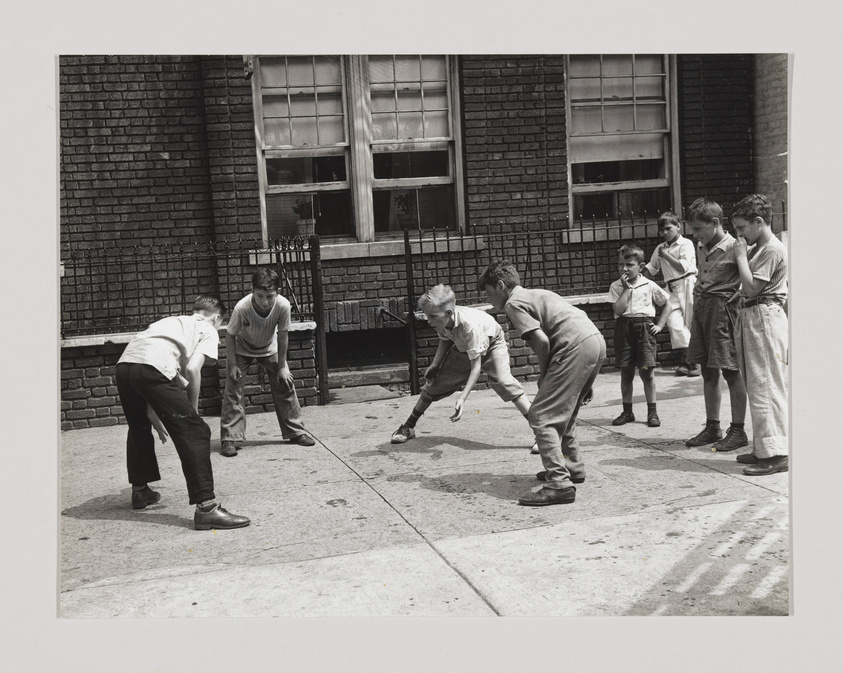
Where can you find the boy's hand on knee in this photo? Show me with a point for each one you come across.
(235, 373)
(285, 376)
(431, 373)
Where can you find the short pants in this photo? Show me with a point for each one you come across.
(634, 345)
(713, 333)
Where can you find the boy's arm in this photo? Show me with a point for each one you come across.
(441, 350)
(231, 356)
(473, 375)
(540, 345)
(157, 424)
(284, 375)
(668, 258)
(193, 375)
(750, 285)
(623, 301)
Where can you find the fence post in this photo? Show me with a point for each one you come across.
(319, 317)
(411, 316)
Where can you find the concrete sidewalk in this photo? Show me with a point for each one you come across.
(356, 526)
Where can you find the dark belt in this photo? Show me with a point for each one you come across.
(637, 319)
(682, 277)
(752, 301)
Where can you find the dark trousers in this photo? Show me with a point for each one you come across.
(139, 385)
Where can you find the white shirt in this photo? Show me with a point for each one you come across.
(471, 331)
(682, 250)
(643, 299)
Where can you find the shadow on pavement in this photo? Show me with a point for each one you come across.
(428, 444)
(508, 487)
(119, 508)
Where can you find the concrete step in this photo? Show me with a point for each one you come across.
(346, 377)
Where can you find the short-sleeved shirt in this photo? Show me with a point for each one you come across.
(471, 331)
(644, 298)
(718, 269)
(564, 324)
(768, 262)
(168, 344)
(683, 250)
(256, 335)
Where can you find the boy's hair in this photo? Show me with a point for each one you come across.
(501, 269)
(669, 217)
(438, 299)
(208, 303)
(265, 278)
(704, 210)
(632, 250)
(752, 206)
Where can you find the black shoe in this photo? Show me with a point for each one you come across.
(303, 440)
(542, 476)
(549, 496)
(625, 417)
(693, 370)
(709, 435)
(735, 438)
(747, 458)
(218, 518)
(653, 419)
(767, 466)
(228, 449)
(141, 499)
(681, 370)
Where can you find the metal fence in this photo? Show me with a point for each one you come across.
(107, 289)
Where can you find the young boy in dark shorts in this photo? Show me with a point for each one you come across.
(570, 350)
(634, 299)
(712, 344)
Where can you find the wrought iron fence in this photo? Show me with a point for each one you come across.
(108, 289)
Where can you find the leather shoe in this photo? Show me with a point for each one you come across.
(303, 440)
(747, 458)
(767, 466)
(549, 496)
(625, 417)
(218, 518)
(542, 476)
(141, 499)
(228, 449)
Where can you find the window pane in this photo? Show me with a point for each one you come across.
(305, 170)
(275, 106)
(300, 71)
(617, 64)
(586, 120)
(649, 88)
(304, 132)
(409, 100)
(435, 99)
(273, 71)
(411, 164)
(630, 203)
(407, 68)
(649, 64)
(618, 118)
(326, 214)
(583, 66)
(302, 105)
(587, 89)
(383, 101)
(276, 131)
(434, 67)
(425, 208)
(650, 117)
(384, 126)
(614, 171)
(436, 125)
(331, 131)
(617, 88)
(329, 100)
(380, 69)
(410, 126)
(328, 70)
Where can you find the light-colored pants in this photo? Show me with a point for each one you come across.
(680, 335)
(287, 409)
(762, 345)
(553, 414)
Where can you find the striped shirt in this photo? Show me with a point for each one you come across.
(768, 262)
(256, 335)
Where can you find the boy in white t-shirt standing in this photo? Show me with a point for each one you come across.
(258, 330)
(676, 259)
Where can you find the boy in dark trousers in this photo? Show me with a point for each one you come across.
(161, 369)
(570, 350)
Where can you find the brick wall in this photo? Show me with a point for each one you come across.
(89, 393)
(514, 136)
(715, 127)
(770, 139)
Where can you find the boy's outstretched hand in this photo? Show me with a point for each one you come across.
(157, 424)
(457, 411)
(285, 376)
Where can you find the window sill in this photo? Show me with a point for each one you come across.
(395, 248)
(126, 337)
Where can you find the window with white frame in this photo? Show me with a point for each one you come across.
(621, 152)
(357, 147)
